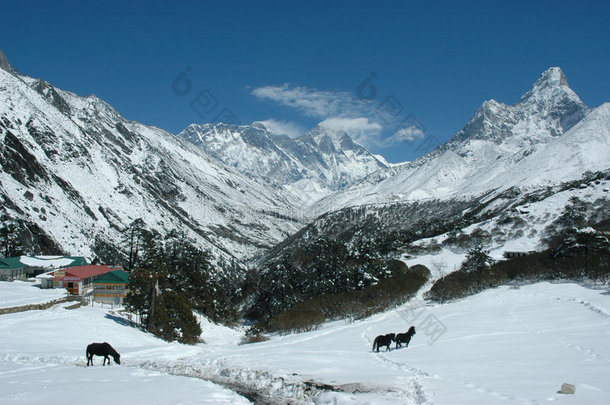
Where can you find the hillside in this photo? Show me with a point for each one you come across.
(74, 174)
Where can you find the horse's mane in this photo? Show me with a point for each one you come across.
(111, 349)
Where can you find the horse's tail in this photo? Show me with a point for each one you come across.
(87, 354)
(375, 343)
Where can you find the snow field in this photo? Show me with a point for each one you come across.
(18, 293)
(503, 346)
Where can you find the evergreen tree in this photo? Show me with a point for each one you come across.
(132, 239)
(174, 320)
(476, 259)
(171, 278)
(325, 266)
(574, 215)
(10, 244)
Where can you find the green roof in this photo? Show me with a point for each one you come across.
(115, 276)
(16, 263)
(11, 263)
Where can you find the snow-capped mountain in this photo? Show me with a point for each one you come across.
(314, 164)
(548, 137)
(74, 173)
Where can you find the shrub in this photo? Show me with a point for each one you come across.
(575, 256)
(309, 314)
(253, 335)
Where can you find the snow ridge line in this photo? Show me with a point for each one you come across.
(257, 385)
(41, 359)
(260, 387)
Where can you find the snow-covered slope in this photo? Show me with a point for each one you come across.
(312, 165)
(77, 172)
(510, 345)
(548, 137)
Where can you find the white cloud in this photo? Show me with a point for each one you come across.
(361, 129)
(312, 102)
(369, 133)
(407, 134)
(279, 127)
(367, 122)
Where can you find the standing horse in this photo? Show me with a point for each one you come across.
(383, 340)
(102, 349)
(405, 337)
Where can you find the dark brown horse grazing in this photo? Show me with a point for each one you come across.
(383, 340)
(102, 349)
(405, 337)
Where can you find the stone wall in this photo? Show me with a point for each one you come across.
(45, 305)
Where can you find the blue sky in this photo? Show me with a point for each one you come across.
(294, 64)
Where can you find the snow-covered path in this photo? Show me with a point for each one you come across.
(503, 346)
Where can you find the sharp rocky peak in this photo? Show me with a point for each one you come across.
(6, 65)
(550, 106)
(551, 85)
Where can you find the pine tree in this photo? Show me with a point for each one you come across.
(477, 259)
(174, 319)
(132, 239)
(10, 245)
(574, 214)
(171, 277)
(145, 277)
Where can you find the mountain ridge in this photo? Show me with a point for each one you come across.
(486, 153)
(239, 190)
(325, 159)
(75, 172)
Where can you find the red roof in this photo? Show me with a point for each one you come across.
(89, 270)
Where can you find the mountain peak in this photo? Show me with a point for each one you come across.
(324, 158)
(550, 83)
(553, 76)
(6, 65)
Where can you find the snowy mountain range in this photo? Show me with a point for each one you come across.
(548, 137)
(74, 172)
(312, 165)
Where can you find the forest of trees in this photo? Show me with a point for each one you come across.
(169, 279)
(321, 268)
